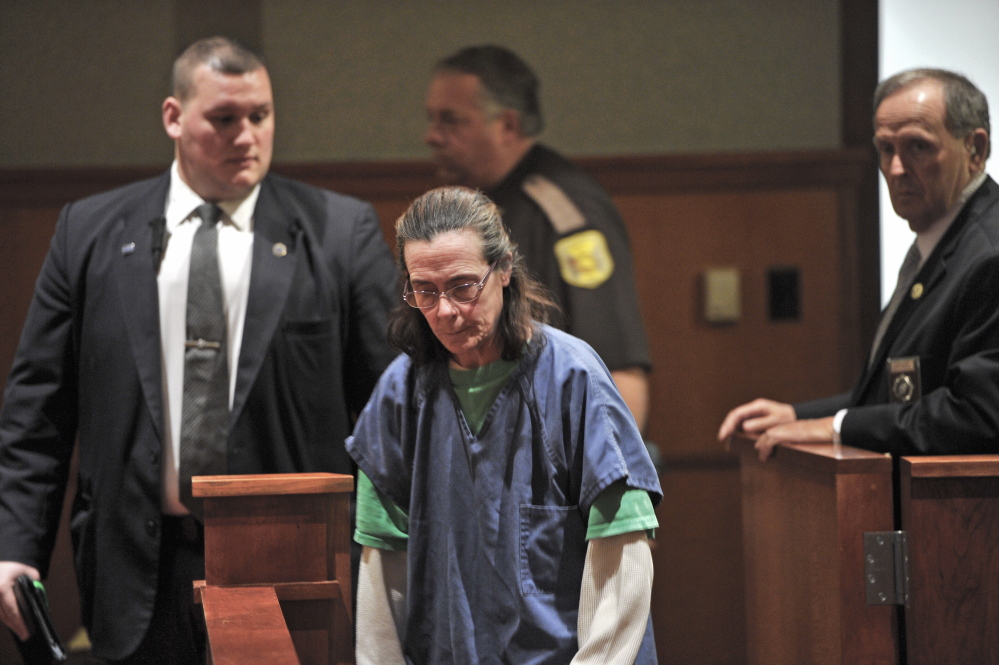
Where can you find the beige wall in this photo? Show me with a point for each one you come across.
(82, 81)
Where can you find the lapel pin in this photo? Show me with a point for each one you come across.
(917, 291)
(280, 249)
(128, 249)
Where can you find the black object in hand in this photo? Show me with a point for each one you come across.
(34, 609)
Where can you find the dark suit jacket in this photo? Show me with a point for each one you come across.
(953, 327)
(88, 368)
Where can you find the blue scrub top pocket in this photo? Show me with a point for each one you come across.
(552, 548)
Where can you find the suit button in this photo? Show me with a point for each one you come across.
(151, 527)
(154, 457)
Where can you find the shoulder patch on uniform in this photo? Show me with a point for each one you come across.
(584, 259)
(559, 208)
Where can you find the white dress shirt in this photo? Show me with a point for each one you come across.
(235, 247)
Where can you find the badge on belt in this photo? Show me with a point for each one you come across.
(903, 380)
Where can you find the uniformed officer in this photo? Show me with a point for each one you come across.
(483, 118)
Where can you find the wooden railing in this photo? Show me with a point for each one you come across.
(816, 522)
(804, 515)
(246, 625)
(950, 513)
(277, 569)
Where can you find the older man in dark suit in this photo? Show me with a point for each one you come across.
(931, 384)
(215, 319)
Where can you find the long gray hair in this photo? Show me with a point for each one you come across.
(525, 300)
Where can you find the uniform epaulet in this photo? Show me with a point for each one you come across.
(559, 208)
(584, 259)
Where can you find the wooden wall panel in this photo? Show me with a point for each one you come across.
(24, 240)
(698, 596)
(675, 238)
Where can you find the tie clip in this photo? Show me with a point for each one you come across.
(201, 344)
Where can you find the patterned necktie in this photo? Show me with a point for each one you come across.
(910, 266)
(205, 408)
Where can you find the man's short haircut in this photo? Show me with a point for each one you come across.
(967, 109)
(506, 79)
(220, 54)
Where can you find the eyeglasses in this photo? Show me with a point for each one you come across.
(460, 294)
(447, 124)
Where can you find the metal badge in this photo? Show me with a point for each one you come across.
(280, 249)
(903, 380)
(917, 291)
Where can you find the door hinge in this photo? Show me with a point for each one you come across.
(886, 568)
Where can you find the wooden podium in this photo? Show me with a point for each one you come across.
(816, 524)
(277, 587)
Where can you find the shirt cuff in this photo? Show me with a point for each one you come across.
(837, 425)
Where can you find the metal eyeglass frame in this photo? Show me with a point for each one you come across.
(437, 294)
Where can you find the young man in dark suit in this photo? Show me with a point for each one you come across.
(302, 281)
(931, 384)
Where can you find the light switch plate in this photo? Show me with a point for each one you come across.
(722, 295)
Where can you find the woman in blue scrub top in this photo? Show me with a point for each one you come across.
(505, 497)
